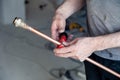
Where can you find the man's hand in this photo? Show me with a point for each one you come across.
(80, 48)
(62, 13)
(58, 26)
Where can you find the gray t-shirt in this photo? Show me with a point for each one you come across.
(104, 18)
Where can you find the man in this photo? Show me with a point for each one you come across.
(103, 18)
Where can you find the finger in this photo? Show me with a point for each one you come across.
(64, 50)
(72, 42)
(74, 57)
(65, 44)
(54, 32)
(61, 27)
(65, 55)
(82, 57)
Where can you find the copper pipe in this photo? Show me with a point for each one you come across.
(103, 67)
(19, 23)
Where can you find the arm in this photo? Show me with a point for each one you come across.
(69, 7)
(108, 41)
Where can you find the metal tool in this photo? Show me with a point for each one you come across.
(19, 23)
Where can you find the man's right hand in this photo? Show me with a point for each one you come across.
(67, 8)
(58, 26)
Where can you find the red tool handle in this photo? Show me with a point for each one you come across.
(62, 38)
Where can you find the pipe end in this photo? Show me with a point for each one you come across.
(17, 22)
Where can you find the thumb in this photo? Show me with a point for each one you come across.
(61, 27)
(72, 42)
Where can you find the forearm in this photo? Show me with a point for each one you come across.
(108, 41)
(69, 7)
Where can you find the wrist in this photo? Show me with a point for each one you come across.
(59, 15)
(99, 43)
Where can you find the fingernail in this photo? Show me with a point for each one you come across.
(82, 60)
(61, 30)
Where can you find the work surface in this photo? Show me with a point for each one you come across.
(24, 57)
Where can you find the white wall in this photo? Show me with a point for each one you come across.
(56, 3)
(1, 11)
(11, 9)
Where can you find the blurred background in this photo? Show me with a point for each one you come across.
(26, 56)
